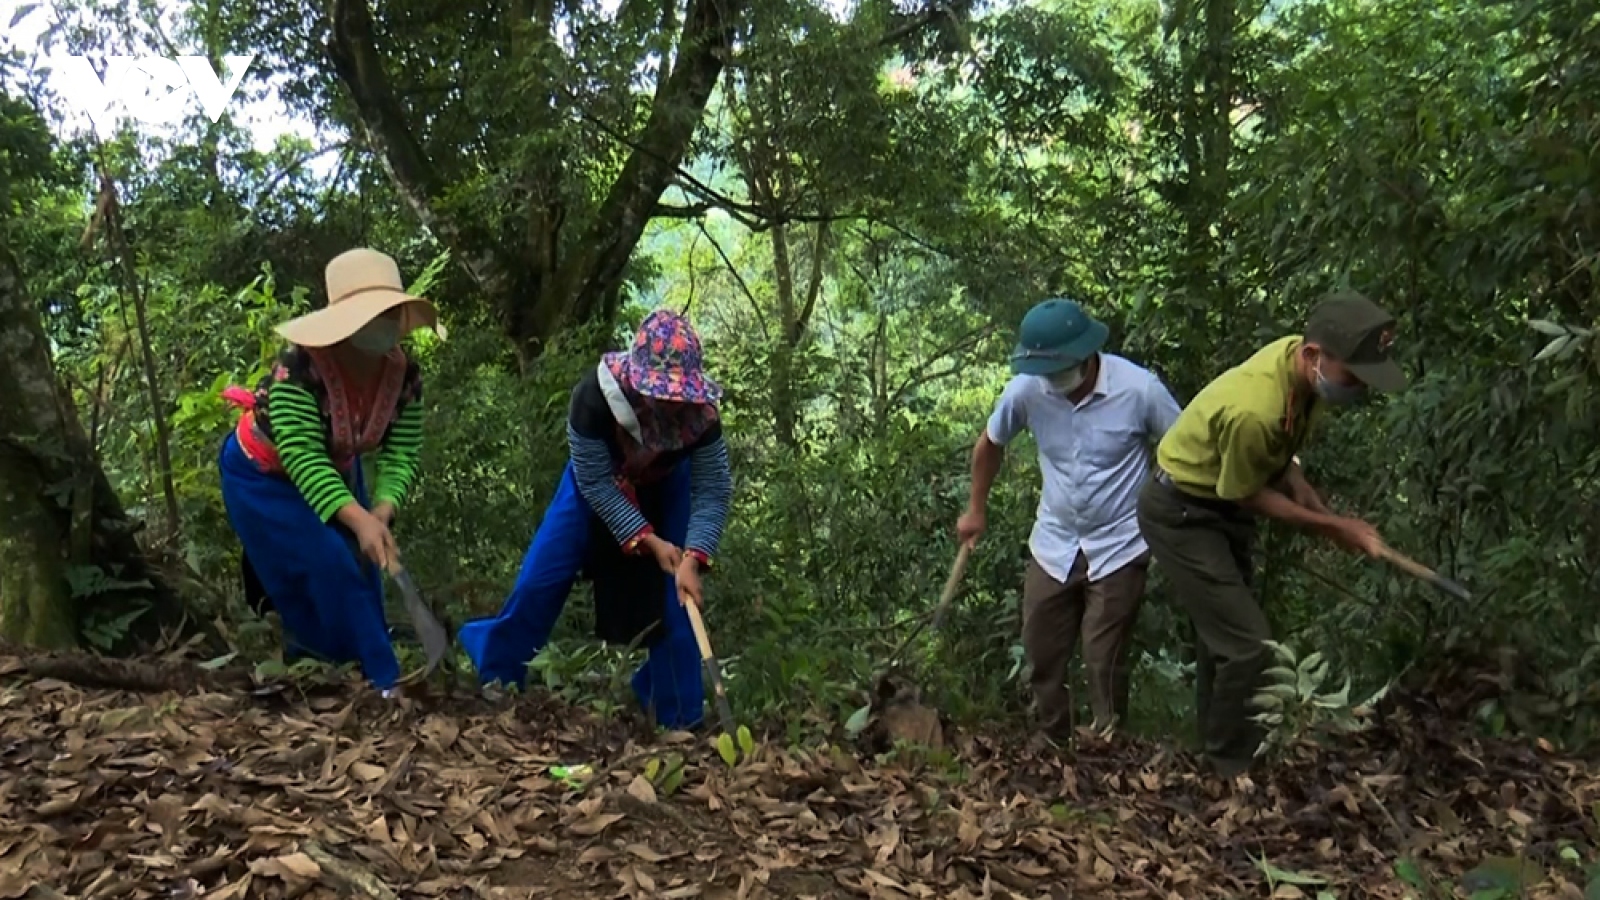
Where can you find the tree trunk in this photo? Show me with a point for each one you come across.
(543, 283)
(880, 373)
(785, 412)
(46, 469)
(793, 320)
(36, 605)
(133, 290)
(1205, 143)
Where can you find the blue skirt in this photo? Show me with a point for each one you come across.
(501, 647)
(328, 595)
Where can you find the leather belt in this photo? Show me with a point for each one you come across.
(1225, 507)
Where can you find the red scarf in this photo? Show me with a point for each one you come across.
(358, 419)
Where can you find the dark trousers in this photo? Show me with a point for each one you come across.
(1203, 546)
(1055, 614)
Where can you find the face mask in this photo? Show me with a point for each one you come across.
(377, 337)
(1337, 394)
(1068, 380)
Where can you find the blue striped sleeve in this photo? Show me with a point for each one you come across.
(710, 496)
(591, 468)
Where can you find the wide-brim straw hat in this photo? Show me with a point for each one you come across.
(363, 284)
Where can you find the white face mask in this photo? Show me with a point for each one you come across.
(1068, 380)
(377, 337)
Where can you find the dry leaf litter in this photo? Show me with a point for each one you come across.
(181, 795)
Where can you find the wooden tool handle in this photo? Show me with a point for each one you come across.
(699, 626)
(952, 583)
(709, 664)
(1407, 563)
(1424, 573)
(956, 571)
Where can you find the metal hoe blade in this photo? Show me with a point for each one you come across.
(435, 640)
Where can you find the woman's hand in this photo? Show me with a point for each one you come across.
(688, 577)
(667, 555)
(372, 535)
(384, 512)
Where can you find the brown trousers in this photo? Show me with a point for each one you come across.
(1054, 614)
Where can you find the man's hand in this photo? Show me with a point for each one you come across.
(384, 512)
(986, 459)
(668, 557)
(971, 525)
(1301, 491)
(688, 577)
(1357, 536)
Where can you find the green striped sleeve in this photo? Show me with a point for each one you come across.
(303, 448)
(397, 461)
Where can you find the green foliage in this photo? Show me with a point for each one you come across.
(858, 227)
(736, 748)
(104, 631)
(665, 774)
(942, 763)
(1276, 876)
(1296, 710)
(89, 581)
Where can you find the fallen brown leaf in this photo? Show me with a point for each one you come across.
(367, 772)
(595, 824)
(642, 790)
(645, 853)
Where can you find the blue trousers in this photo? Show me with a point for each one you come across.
(501, 647)
(329, 598)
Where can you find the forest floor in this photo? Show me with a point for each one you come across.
(229, 794)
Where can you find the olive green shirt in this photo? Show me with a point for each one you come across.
(1239, 434)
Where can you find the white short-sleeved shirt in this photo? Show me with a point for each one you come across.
(1094, 455)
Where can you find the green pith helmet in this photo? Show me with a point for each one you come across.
(1056, 334)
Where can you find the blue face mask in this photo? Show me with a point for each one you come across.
(377, 337)
(1335, 393)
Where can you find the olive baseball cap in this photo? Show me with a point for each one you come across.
(1056, 334)
(1358, 333)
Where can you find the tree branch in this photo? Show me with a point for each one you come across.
(122, 254)
(912, 26)
(819, 254)
(930, 18)
(295, 164)
(353, 51)
(758, 218)
(706, 40)
(733, 270)
(692, 211)
(924, 376)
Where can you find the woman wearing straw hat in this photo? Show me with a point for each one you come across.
(641, 507)
(291, 473)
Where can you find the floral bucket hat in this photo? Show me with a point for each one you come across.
(665, 362)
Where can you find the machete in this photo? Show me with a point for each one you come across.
(435, 640)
